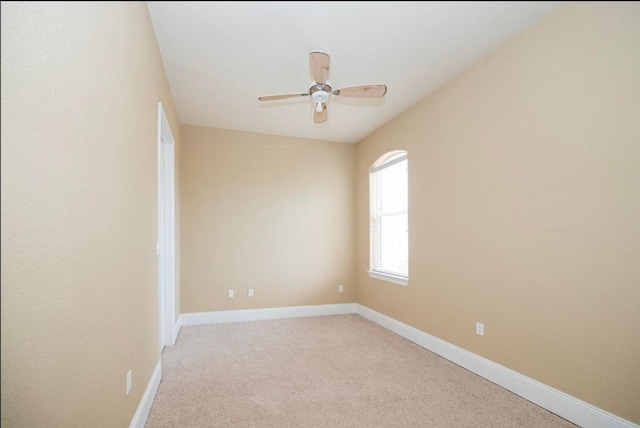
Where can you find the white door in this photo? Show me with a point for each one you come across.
(166, 230)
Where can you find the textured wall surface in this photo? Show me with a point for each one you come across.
(271, 213)
(524, 206)
(81, 84)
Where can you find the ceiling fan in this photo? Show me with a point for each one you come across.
(320, 90)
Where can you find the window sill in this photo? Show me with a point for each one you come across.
(389, 278)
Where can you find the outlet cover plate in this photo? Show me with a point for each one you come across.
(129, 381)
(479, 329)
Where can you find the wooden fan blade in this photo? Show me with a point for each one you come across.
(281, 97)
(319, 117)
(319, 62)
(362, 91)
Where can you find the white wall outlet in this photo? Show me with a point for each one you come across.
(230, 293)
(479, 329)
(340, 288)
(129, 382)
(250, 292)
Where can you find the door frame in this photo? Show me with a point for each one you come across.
(166, 245)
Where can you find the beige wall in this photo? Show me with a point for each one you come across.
(525, 206)
(271, 213)
(80, 87)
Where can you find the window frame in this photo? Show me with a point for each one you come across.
(387, 160)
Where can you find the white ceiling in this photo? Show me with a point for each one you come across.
(221, 56)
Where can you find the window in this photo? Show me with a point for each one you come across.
(389, 237)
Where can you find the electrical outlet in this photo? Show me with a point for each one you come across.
(479, 329)
(250, 292)
(129, 382)
(230, 293)
(340, 288)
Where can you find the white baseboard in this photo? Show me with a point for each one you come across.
(200, 318)
(142, 412)
(564, 405)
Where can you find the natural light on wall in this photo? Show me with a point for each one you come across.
(389, 227)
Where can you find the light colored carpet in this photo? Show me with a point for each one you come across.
(330, 371)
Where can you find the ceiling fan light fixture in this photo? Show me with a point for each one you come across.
(320, 97)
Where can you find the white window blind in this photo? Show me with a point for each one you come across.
(388, 184)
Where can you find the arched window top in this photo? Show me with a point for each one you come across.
(388, 159)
